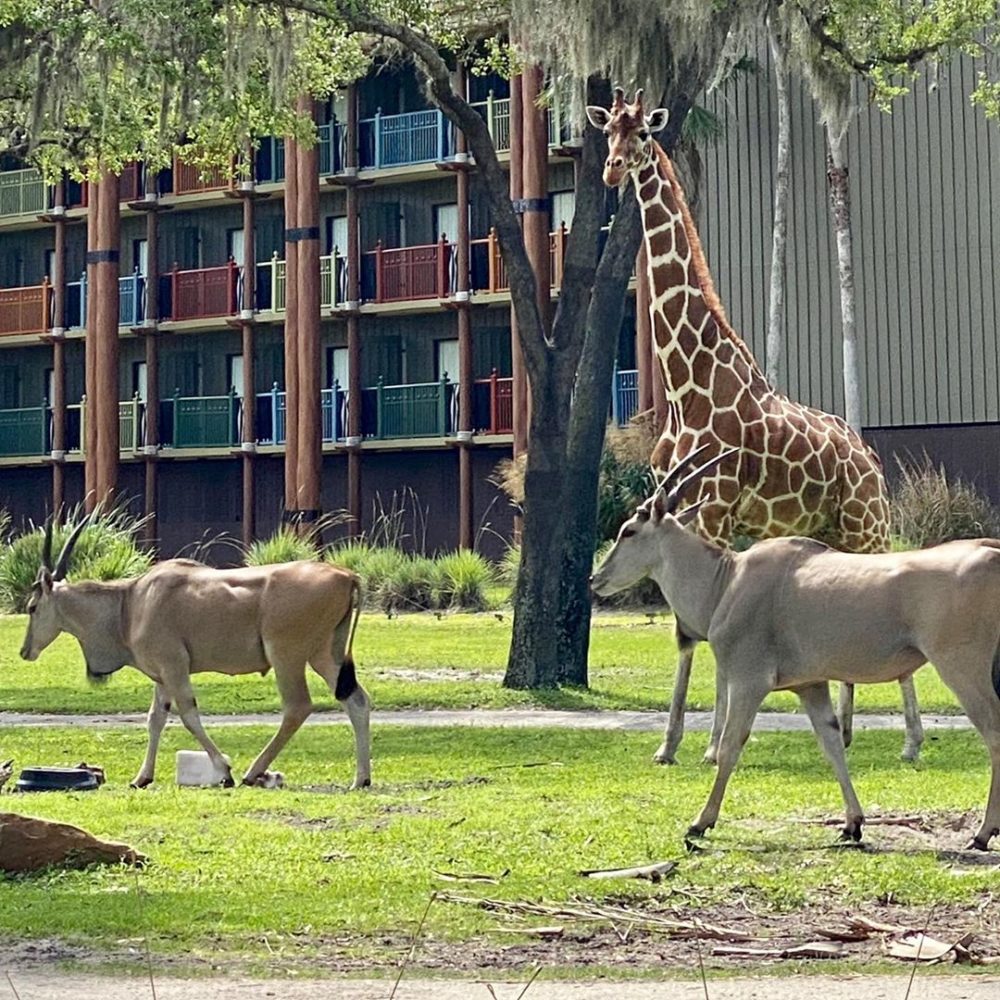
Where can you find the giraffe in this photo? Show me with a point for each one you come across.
(799, 471)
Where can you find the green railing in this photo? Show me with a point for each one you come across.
(332, 269)
(205, 421)
(23, 431)
(405, 411)
(22, 192)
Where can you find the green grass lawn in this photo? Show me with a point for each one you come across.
(419, 660)
(270, 880)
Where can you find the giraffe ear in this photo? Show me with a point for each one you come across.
(598, 117)
(656, 121)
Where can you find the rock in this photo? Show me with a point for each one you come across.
(27, 844)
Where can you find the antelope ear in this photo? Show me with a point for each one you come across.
(688, 514)
(45, 580)
(656, 121)
(597, 116)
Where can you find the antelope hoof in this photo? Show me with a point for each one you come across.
(851, 834)
(910, 753)
(360, 783)
(227, 781)
(711, 755)
(140, 781)
(266, 779)
(665, 755)
(847, 735)
(981, 842)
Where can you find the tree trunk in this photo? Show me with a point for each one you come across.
(779, 238)
(840, 206)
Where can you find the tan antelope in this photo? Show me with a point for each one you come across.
(183, 618)
(793, 614)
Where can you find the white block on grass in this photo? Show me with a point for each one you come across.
(194, 767)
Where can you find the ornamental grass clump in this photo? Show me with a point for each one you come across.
(462, 580)
(283, 546)
(106, 550)
(928, 507)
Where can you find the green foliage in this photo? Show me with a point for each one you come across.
(283, 546)
(623, 485)
(106, 550)
(462, 580)
(928, 507)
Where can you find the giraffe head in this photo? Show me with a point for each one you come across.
(630, 135)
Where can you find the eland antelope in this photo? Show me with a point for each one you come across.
(183, 617)
(793, 614)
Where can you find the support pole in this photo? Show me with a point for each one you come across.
(248, 429)
(106, 345)
(151, 437)
(291, 332)
(58, 401)
(519, 382)
(353, 321)
(310, 426)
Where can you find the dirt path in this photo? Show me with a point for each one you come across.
(488, 718)
(46, 985)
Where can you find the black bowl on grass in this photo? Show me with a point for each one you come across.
(56, 779)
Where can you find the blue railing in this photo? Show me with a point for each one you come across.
(624, 396)
(131, 300)
(270, 416)
(396, 140)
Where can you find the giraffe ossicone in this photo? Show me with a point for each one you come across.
(797, 470)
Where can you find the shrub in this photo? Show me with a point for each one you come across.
(283, 546)
(928, 507)
(462, 579)
(350, 555)
(106, 550)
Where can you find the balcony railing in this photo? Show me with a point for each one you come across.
(22, 192)
(624, 396)
(26, 309)
(131, 300)
(27, 431)
(200, 293)
(423, 409)
(191, 179)
(131, 424)
(493, 405)
(331, 137)
(271, 290)
(398, 140)
(404, 273)
(489, 272)
(200, 421)
(271, 415)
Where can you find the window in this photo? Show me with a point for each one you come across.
(235, 245)
(446, 222)
(337, 368)
(9, 387)
(234, 373)
(446, 359)
(49, 266)
(139, 383)
(336, 234)
(563, 207)
(140, 257)
(50, 377)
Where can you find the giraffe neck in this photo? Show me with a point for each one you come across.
(693, 336)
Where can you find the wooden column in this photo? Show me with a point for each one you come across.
(105, 410)
(248, 446)
(58, 400)
(353, 319)
(291, 332)
(310, 429)
(519, 383)
(151, 437)
(89, 436)
(466, 371)
(643, 332)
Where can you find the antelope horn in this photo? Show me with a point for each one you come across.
(686, 462)
(619, 99)
(62, 564)
(678, 491)
(637, 103)
(47, 546)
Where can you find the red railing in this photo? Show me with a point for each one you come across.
(25, 310)
(189, 179)
(500, 392)
(208, 291)
(420, 272)
(497, 270)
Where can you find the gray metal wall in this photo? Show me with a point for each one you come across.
(926, 215)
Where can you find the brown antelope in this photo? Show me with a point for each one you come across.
(183, 617)
(792, 614)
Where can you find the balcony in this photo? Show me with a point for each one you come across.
(190, 179)
(270, 415)
(199, 293)
(271, 288)
(131, 300)
(400, 140)
(406, 273)
(200, 421)
(489, 272)
(27, 431)
(331, 138)
(493, 405)
(22, 192)
(25, 310)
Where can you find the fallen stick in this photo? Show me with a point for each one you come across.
(653, 872)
